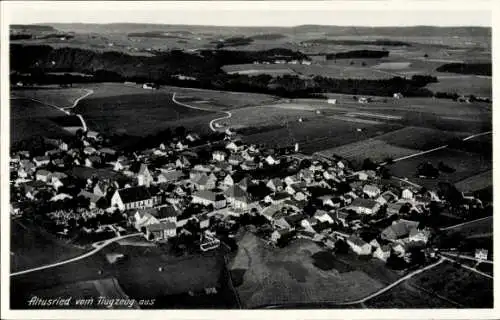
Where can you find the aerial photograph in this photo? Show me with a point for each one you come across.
(308, 160)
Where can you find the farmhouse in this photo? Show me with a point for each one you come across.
(207, 198)
(359, 246)
(398, 230)
(332, 101)
(382, 252)
(41, 161)
(219, 155)
(132, 198)
(371, 190)
(160, 231)
(364, 206)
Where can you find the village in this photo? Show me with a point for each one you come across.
(197, 195)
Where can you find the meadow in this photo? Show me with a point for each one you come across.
(288, 275)
(465, 287)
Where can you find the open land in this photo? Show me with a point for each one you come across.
(61, 97)
(288, 275)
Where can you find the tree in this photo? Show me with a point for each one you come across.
(368, 164)
(341, 247)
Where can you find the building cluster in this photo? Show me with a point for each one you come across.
(166, 190)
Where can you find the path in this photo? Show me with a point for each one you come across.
(466, 257)
(98, 247)
(468, 268)
(211, 123)
(464, 223)
(63, 109)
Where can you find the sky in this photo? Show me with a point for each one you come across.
(260, 13)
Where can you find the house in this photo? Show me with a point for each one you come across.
(182, 163)
(290, 180)
(93, 198)
(219, 155)
(276, 198)
(228, 181)
(204, 221)
(235, 159)
(192, 137)
(207, 198)
(270, 160)
(101, 188)
(236, 194)
(364, 206)
(132, 198)
(362, 176)
(93, 135)
(248, 165)
(364, 100)
(41, 161)
(331, 101)
(160, 231)
(307, 175)
(150, 86)
(234, 146)
(382, 253)
(277, 234)
(60, 196)
(107, 151)
(481, 254)
(144, 177)
(247, 155)
(371, 190)
(398, 229)
(323, 216)
(204, 183)
(275, 184)
(407, 194)
(419, 235)
(394, 208)
(359, 246)
(389, 196)
(89, 150)
(168, 213)
(169, 176)
(43, 175)
(397, 96)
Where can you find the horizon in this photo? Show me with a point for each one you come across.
(373, 13)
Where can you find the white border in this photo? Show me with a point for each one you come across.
(214, 6)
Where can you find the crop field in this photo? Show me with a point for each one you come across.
(419, 138)
(61, 97)
(338, 70)
(476, 182)
(463, 85)
(374, 149)
(137, 114)
(406, 296)
(475, 228)
(288, 275)
(29, 118)
(32, 247)
(466, 164)
(465, 287)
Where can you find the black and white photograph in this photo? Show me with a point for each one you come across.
(247, 156)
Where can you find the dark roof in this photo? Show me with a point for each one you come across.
(280, 196)
(167, 212)
(134, 194)
(365, 203)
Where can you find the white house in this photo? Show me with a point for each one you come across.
(382, 253)
(132, 198)
(397, 95)
(364, 206)
(359, 246)
(206, 198)
(407, 194)
(43, 175)
(219, 155)
(41, 161)
(481, 254)
(144, 177)
(323, 216)
(332, 101)
(371, 190)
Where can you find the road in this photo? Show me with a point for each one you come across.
(464, 223)
(468, 268)
(461, 256)
(75, 103)
(360, 301)
(212, 122)
(98, 246)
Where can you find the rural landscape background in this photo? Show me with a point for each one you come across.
(385, 99)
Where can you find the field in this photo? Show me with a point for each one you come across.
(467, 288)
(61, 97)
(138, 275)
(29, 118)
(288, 275)
(374, 149)
(419, 138)
(405, 296)
(475, 228)
(135, 114)
(30, 247)
(477, 182)
(466, 164)
(463, 85)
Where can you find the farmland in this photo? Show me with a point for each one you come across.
(458, 284)
(29, 118)
(138, 275)
(419, 138)
(476, 182)
(288, 275)
(465, 164)
(463, 85)
(61, 97)
(31, 246)
(135, 114)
